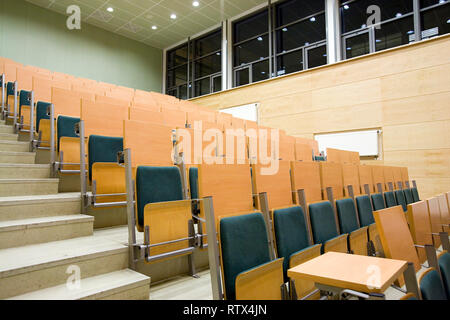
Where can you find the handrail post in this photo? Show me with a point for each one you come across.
(31, 121)
(131, 219)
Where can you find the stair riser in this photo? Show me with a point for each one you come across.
(39, 210)
(49, 276)
(36, 235)
(24, 173)
(12, 158)
(14, 147)
(6, 129)
(139, 293)
(28, 189)
(8, 137)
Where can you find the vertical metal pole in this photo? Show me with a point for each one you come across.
(411, 281)
(131, 219)
(15, 105)
(269, 4)
(417, 24)
(331, 199)
(3, 84)
(52, 138)
(264, 204)
(31, 121)
(83, 186)
(213, 249)
(189, 68)
(333, 31)
(302, 203)
(224, 55)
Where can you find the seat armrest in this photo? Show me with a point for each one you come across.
(358, 240)
(338, 244)
(304, 255)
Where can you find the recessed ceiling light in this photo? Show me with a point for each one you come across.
(154, 27)
(346, 7)
(398, 15)
(110, 9)
(195, 3)
(259, 39)
(173, 16)
(284, 29)
(312, 19)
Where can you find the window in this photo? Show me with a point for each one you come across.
(246, 112)
(204, 58)
(366, 142)
(435, 17)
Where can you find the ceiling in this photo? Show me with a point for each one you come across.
(134, 18)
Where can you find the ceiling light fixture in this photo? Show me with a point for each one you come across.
(173, 16)
(195, 3)
(110, 9)
(154, 27)
(346, 7)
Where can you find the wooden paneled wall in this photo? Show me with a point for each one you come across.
(405, 91)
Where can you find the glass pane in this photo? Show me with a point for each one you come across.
(354, 15)
(217, 84)
(301, 34)
(242, 77)
(290, 62)
(317, 56)
(357, 46)
(436, 21)
(261, 71)
(394, 34)
(251, 27)
(177, 57)
(207, 66)
(252, 50)
(202, 87)
(290, 11)
(208, 44)
(182, 91)
(177, 76)
(172, 92)
(428, 3)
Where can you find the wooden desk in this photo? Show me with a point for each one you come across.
(348, 271)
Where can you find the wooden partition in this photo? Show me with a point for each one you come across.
(287, 148)
(66, 102)
(378, 177)
(145, 115)
(365, 177)
(445, 212)
(10, 71)
(419, 224)
(350, 177)
(103, 119)
(174, 118)
(108, 100)
(25, 78)
(405, 176)
(331, 176)
(434, 213)
(306, 176)
(303, 152)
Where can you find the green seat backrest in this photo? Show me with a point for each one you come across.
(291, 233)
(66, 127)
(347, 215)
(10, 89)
(415, 194)
(390, 199)
(41, 112)
(400, 196)
(243, 241)
(408, 196)
(444, 266)
(156, 184)
(431, 287)
(103, 149)
(316, 158)
(378, 202)
(365, 211)
(23, 98)
(193, 182)
(323, 223)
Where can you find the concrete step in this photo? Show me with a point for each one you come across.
(9, 137)
(17, 157)
(19, 187)
(28, 207)
(119, 285)
(36, 267)
(18, 233)
(14, 146)
(6, 129)
(24, 171)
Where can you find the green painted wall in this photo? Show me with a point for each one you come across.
(36, 36)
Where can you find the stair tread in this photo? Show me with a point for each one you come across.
(93, 286)
(75, 196)
(42, 180)
(25, 259)
(24, 165)
(44, 221)
(14, 142)
(14, 153)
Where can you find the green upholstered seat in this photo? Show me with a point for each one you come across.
(390, 199)
(243, 241)
(291, 233)
(444, 266)
(23, 98)
(415, 194)
(193, 182)
(347, 215)
(319, 158)
(431, 287)
(66, 127)
(365, 211)
(400, 196)
(408, 196)
(323, 223)
(378, 202)
(9, 89)
(156, 184)
(103, 149)
(41, 112)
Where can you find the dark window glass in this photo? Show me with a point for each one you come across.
(357, 46)
(182, 92)
(290, 11)
(317, 56)
(217, 84)
(261, 71)
(207, 66)
(290, 62)
(172, 92)
(252, 50)
(436, 21)
(394, 34)
(242, 77)
(177, 76)
(208, 44)
(354, 15)
(202, 87)
(177, 57)
(301, 34)
(251, 27)
(428, 3)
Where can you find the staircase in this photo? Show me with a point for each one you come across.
(48, 250)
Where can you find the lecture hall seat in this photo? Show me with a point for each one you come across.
(431, 286)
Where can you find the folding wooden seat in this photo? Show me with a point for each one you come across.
(444, 267)
(400, 199)
(334, 155)
(165, 101)
(398, 178)
(431, 287)
(365, 214)
(350, 178)
(250, 125)
(365, 178)
(405, 177)
(445, 212)
(415, 194)
(355, 158)
(378, 201)
(174, 118)
(121, 93)
(306, 176)
(408, 196)
(112, 101)
(154, 107)
(237, 123)
(389, 198)
(378, 178)
(286, 148)
(331, 177)
(225, 119)
(145, 115)
(419, 224)
(389, 180)
(303, 151)
(434, 213)
(200, 115)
